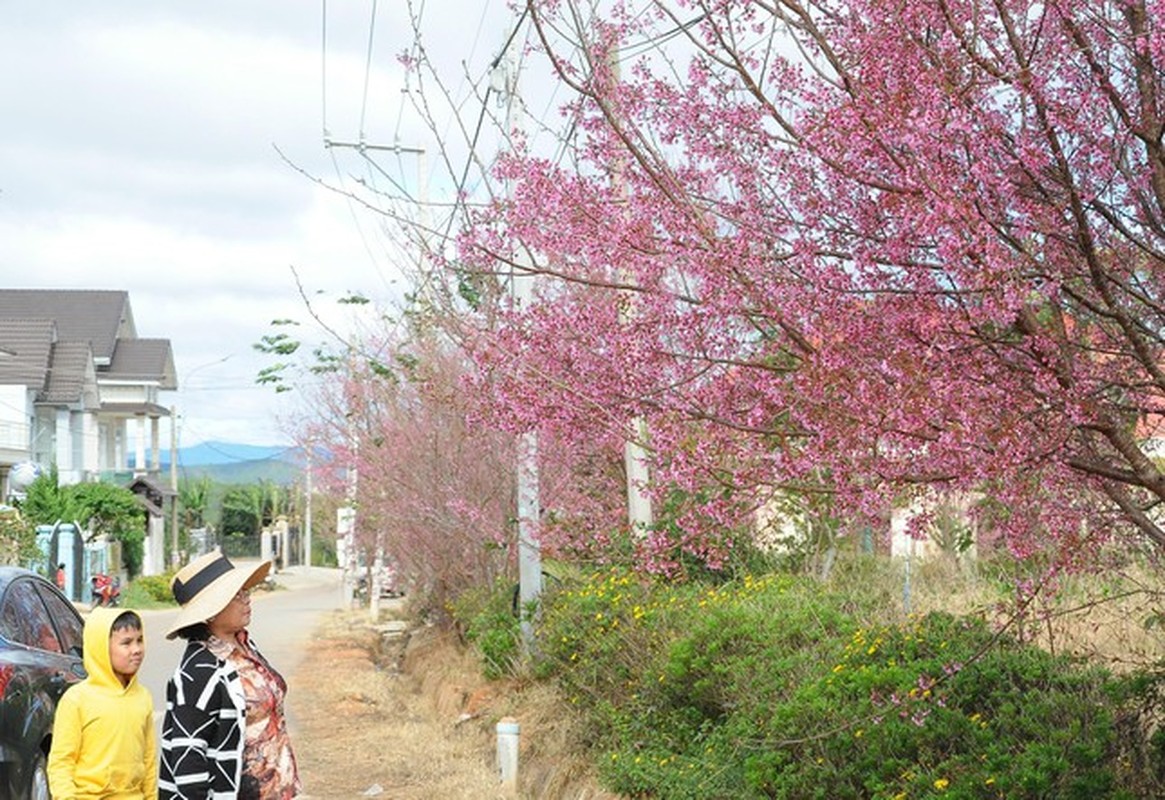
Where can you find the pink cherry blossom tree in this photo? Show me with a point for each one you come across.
(863, 248)
(434, 490)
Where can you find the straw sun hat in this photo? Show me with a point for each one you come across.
(207, 584)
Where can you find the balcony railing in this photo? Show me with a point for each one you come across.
(13, 435)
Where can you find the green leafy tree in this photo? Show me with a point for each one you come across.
(248, 508)
(242, 510)
(115, 512)
(17, 539)
(44, 503)
(194, 500)
(277, 501)
(101, 508)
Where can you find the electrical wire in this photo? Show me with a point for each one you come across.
(352, 211)
(655, 42)
(517, 27)
(324, 68)
(457, 199)
(367, 68)
(468, 163)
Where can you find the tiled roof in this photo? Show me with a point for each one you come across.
(27, 349)
(98, 316)
(152, 493)
(72, 369)
(153, 484)
(143, 360)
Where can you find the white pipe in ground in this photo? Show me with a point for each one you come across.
(508, 730)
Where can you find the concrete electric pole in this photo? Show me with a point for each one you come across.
(504, 80)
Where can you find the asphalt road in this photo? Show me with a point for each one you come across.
(282, 620)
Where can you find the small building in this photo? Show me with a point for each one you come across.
(158, 499)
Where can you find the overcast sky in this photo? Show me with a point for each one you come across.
(137, 152)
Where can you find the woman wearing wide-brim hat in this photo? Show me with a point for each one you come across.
(224, 733)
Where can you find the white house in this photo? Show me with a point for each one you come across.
(78, 387)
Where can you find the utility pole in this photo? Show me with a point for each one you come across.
(639, 514)
(348, 522)
(307, 490)
(346, 516)
(504, 79)
(174, 487)
(422, 188)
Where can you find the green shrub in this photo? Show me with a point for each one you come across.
(491, 627)
(596, 637)
(150, 591)
(940, 708)
(777, 687)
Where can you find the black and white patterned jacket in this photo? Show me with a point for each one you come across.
(202, 731)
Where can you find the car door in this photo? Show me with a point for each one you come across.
(39, 659)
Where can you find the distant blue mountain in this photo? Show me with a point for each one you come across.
(207, 453)
(215, 453)
(233, 463)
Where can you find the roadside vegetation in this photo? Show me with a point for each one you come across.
(769, 292)
(782, 685)
(231, 516)
(150, 591)
(105, 508)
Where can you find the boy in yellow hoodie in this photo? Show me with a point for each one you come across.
(103, 733)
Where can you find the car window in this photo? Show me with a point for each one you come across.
(68, 623)
(24, 618)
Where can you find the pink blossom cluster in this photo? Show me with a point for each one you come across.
(862, 249)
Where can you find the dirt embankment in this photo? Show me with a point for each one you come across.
(382, 712)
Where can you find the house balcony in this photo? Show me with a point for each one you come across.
(13, 442)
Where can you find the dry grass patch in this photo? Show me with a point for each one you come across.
(1113, 619)
(362, 725)
(410, 718)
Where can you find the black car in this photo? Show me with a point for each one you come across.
(40, 657)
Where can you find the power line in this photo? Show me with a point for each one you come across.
(367, 68)
(480, 119)
(352, 210)
(654, 42)
(468, 162)
(510, 39)
(324, 68)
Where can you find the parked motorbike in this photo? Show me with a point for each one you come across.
(106, 590)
